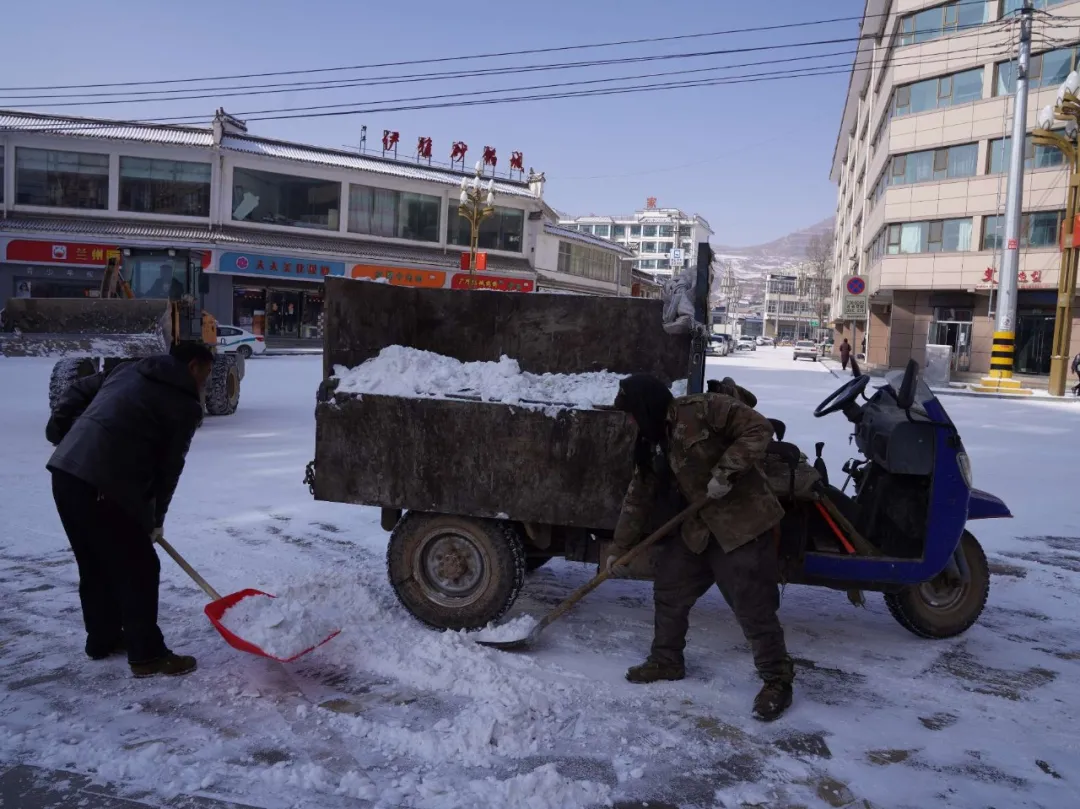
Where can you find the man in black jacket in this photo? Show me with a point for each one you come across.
(121, 440)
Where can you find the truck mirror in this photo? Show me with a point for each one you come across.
(905, 397)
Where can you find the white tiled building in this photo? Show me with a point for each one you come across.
(652, 234)
(264, 220)
(920, 162)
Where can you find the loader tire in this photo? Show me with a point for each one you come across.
(64, 374)
(223, 387)
(939, 609)
(454, 572)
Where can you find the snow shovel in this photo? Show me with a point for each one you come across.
(219, 604)
(596, 581)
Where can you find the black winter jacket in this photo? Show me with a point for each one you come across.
(127, 433)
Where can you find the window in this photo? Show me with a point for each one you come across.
(1009, 6)
(1035, 157)
(648, 247)
(1039, 229)
(932, 23)
(667, 231)
(503, 230)
(603, 231)
(635, 230)
(164, 186)
(934, 164)
(61, 179)
(394, 214)
(943, 91)
(649, 232)
(1, 173)
(665, 247)
(587, 262)
(1047, 69)
(282, 199)
(938, 236)
(618, 232)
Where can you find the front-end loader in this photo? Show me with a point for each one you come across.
(92, 334)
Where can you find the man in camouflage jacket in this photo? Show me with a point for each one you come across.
(706, 445)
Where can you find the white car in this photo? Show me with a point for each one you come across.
(765, 341)
(806, 349)
(746, 344)
(232, 339)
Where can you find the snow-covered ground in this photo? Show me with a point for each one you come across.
(391, 714)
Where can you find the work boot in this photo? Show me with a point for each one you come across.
(652, 671)
(170, 665)
(96, 650)
(772, 700)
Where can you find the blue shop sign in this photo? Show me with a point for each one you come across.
(279, 266)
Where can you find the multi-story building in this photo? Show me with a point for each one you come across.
(920, 162)
(657, 236)
(264, 220)
(793, 307)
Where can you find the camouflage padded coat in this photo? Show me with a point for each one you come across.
(709, 434)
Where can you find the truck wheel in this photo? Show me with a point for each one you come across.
(223, 388)
(942, 607)
(244, 351)
(454, 572)
(64, 374)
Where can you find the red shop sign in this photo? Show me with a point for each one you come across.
(35, 252)
(495, 282)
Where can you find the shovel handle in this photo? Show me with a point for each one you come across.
(199, 580)
(625, 559)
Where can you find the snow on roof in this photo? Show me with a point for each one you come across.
(585, 238)
(106, 130)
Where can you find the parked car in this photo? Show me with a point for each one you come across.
(805, 349)
(746, 344)
(766, 341)
(233, 339)
(719, 345)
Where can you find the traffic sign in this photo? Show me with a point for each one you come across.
(677, 256)
(856, 298)
(855, 285)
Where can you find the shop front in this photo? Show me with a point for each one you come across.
(31, 268)
(278, 296)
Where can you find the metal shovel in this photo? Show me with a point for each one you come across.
(596, 581)
(219, 604)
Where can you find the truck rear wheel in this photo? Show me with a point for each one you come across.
(223, 388)
(454, 572)
(63, 376)
(944, 607)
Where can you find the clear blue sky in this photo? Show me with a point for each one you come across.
(753, 158)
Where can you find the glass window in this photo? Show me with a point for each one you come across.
(394, 214)
(937, 236)
(1035, 157)
(667, 231)
(665, 247)
(164, 186)
(635, 230)
(648, 247)
(936, 164)
(282, 199)
(649, 232)
(938, 21)
(503, 230)
(1009, 6)
(587, 262)
(1047, 69)
(1039, 229)
(618, 232)
(603, 230)
(943, 91)
(564, 257)
(1, 173)
(61, 179)
(585, 228)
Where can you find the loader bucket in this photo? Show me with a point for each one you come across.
(74, 327)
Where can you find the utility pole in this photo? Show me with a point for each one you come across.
(1002, 355)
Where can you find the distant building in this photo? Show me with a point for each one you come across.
(796, 306)
(656, 236)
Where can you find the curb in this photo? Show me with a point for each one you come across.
(970, 394)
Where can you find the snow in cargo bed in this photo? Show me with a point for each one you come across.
(401, 371)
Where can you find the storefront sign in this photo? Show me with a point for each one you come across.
(400, 276)
(279, 266)
(1023, 279)
(495, 282)
(39, 252)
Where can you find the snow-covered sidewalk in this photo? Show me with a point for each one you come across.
(391, 714)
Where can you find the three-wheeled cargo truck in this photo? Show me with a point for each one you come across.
(475, 494)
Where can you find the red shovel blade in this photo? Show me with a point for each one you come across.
(216, 609)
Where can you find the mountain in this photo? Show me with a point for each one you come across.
(792, 246)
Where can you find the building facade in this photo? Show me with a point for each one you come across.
(920, 164)
(264, 220)
(793, 307)
(660, 239)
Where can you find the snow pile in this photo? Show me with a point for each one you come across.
(283, 627)
(401, 371)
(516, 629)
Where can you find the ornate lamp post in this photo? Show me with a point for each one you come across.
(1067, 109)
(477, 203)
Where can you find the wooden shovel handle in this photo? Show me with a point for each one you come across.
(625, 559)
(199, 580)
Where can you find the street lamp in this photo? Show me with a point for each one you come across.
(477, 203)
(1067, 109)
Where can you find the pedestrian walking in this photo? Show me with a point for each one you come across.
(121, 441)
(1076, 370)
(710, 445)
(845, 353)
